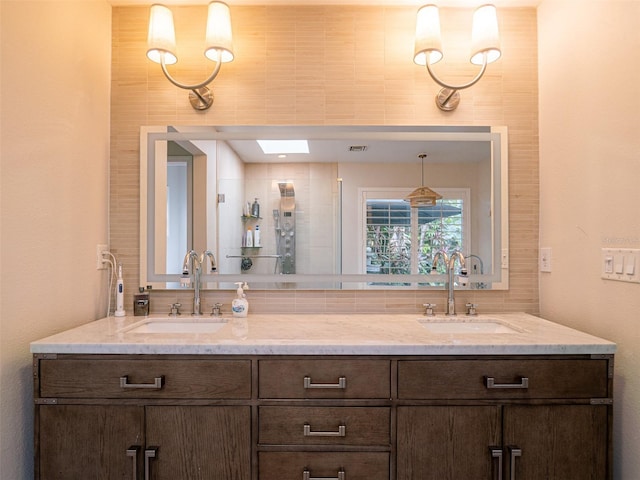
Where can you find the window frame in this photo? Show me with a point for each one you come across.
(396, 193)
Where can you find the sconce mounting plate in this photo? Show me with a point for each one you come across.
(201, 98)
(448, 99)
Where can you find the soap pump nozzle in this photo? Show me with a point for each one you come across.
(240, 290)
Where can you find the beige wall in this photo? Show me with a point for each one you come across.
(330, 65)
(54, 159)
(589, 173)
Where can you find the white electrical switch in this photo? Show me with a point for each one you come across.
(608, 264)
(618, 264)
(630, 264)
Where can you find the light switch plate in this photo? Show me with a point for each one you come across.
(620, 264)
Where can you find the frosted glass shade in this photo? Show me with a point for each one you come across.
(162, 37)
(428, 42)
(219, 36)
(484, 35)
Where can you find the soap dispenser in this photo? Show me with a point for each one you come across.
(240, 305)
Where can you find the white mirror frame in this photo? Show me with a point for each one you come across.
(499, 278)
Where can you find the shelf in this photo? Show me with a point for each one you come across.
(250, 217)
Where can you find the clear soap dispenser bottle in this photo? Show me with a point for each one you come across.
(240, 305)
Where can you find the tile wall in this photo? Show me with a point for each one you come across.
(329, 65)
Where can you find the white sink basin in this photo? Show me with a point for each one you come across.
(467, 325)
(177, 325)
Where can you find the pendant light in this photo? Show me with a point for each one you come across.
(422, 196)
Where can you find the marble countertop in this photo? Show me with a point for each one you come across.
(325, 334)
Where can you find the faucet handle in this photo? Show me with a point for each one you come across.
(216, 310)
(429, 309)
(472, 308)
(175, 309)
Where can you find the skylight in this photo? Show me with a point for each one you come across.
(283, 146)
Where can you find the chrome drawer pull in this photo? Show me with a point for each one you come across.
(496, 452)
(133, 453)
(514, 452)
(342, 383)
(490, 382)
(149, 453)
(156, 385)
(306, 475)
(342, 431)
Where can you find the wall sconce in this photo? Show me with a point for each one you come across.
(218, 47)
(485, 48)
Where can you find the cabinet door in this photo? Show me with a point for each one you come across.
(447, 442)
(199, 442)
(556, 442)
(88, 442)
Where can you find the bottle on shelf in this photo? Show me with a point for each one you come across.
(255, 208)
(249, 238)
(256, 236)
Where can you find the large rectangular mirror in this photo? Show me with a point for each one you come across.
(326, 203)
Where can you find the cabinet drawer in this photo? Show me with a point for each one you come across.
(491, 379)
(324, 379)
(325, 465)
(196, 379)
(325, 425)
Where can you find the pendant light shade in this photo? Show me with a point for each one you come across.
(422, 196)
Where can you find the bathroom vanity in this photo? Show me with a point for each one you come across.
(331, 397)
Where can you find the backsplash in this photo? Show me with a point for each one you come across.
(327, 65)
(333, 301)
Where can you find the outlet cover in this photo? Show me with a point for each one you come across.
(100, 265)
(545, 259)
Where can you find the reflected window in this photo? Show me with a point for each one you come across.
(402, 240)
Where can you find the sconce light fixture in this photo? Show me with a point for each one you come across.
(218, 47)
(485, 48)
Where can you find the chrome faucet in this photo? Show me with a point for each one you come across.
(192, 266)
(449, 262)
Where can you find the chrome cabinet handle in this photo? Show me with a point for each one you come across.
(342, 431)
(132, 452)
(496, 452)
(156, 385)
(149, 453)
(306, 475)
(490, 382)
(514, 452)
(342, 383)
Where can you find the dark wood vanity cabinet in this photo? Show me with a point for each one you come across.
(138, 418)
(504, 418)
(335, 418)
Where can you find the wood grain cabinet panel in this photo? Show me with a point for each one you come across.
(87, 442)
(467, 379)
(192, 379)
(325, 425)
(325, 465)
(199, 442)
(362, 378)
(447, 442)
(556, 442)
